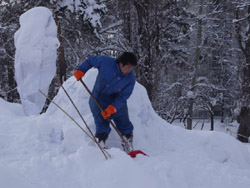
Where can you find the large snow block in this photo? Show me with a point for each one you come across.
(35, 58)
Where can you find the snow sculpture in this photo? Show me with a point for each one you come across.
(35, 58)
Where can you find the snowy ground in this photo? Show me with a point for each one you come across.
(51, 151)
(227, 127)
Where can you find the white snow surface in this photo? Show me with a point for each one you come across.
(49, 150)
(35, 58)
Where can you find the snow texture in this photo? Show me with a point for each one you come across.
(90, 9)
(35, 58)
(50, 151)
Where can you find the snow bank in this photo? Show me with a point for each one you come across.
(150, 130)
(36, 52)
(51, 151)
(11, 179)
(10, 109)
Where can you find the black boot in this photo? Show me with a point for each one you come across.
(101, 138)
(129, 139)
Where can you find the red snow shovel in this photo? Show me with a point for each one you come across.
(132, 152)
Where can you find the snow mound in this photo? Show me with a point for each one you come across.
(150, 130)
(51, 151)
(36, 52)
(10, 109)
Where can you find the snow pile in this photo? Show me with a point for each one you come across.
(51, 151)
(36, 52)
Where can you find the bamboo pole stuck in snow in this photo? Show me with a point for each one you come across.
(105, 153)
(94, 138)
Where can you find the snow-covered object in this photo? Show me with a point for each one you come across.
(90, 9)
(50, 151)
(35, 58)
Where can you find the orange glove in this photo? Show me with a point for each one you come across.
(78, 74)
(108, 111)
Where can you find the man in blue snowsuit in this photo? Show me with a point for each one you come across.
(114, 85)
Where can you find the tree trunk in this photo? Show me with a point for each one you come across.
(212, 121)
(145, 43)
(244, 117)
(61, 58)
(190, 116)
(222, 110)
(196, 63)
(244, 128)
(12, 84)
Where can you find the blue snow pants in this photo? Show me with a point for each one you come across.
(120, 118)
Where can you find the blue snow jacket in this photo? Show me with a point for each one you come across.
(112, 87)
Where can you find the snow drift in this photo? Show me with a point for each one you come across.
(51, 151)
(36, 52)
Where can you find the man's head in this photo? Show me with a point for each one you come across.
(127, 58)
(127, 61)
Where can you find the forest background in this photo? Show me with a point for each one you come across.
(193, 55)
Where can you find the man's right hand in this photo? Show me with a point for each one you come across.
(78, 74)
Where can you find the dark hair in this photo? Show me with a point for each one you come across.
(127, 58)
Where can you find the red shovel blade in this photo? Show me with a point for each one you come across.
(133, 153)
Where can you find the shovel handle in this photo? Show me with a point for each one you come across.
(93, 97)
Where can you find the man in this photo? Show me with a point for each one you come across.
(114, 85)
